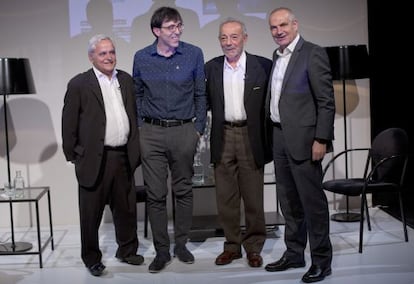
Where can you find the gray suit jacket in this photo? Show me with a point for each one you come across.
(256, 80)
(307, 105)
(84, 120)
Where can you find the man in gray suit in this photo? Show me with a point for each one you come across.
(100, 136)
(236, 89)
(300, 106)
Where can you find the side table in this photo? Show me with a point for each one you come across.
(205, 226)
(31, 195)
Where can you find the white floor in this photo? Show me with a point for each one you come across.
(386, 259)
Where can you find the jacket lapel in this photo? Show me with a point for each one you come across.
(292, 62)
(94, 85)
(218, 73)
(250, 76)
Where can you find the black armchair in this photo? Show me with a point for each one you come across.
(384, 172)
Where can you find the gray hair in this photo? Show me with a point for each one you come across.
(95, 40)
(291, 16)
(233, 20)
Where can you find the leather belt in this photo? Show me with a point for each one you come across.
(277, 124)
(122, 148)
(237, 123)
(166, 122)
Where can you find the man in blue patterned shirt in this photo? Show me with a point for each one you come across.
(172, 109)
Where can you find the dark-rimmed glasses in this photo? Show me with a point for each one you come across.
(172, 28)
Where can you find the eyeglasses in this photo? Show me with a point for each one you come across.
(172, 28)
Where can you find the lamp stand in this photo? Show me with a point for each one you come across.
(13, 246)
(345, 216)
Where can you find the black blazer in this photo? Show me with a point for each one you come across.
(306, 105)
(84, 121)
(256, 81)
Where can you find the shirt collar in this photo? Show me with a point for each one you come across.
(101, 75)
(289, 49)
(241, 63)
(153, 49)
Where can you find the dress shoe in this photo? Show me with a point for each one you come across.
(133, 259)
(97, 269)
(227, 257)
(183, 254)
(160, 261)
(316, 273)
(254, 259)
(283, 264)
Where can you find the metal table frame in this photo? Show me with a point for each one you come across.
(31, 195)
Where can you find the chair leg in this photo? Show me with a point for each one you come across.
(403, 216)
(367, 214)
(361, 223)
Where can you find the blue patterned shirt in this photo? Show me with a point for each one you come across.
(171, 87)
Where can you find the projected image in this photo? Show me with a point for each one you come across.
(118, 16)
(244, 6)
(87, 16)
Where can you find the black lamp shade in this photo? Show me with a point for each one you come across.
(348, 62)
(16, 76)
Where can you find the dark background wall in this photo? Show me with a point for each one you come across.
(389, 84)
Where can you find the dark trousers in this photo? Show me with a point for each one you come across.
(303, 204)
(238, 178)
(114, 187)
(165, 149)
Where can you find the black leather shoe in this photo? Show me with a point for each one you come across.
(133, 259)
(316, 273)
(283, 264)
(97, 269)
(160, 261)
(183, 254)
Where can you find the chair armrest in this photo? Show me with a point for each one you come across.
(332, 160)
(386, 160)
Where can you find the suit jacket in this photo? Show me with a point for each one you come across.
(306, 106)
(256, 80)
(84, 121)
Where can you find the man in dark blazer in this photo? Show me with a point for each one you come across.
(236, 90)
(100, 136)
(300, 106)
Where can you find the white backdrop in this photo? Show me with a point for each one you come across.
(53, 34)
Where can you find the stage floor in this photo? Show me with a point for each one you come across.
(386, 259)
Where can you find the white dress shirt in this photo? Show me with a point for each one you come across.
(278, 76)
(117, 124)
(233, 82)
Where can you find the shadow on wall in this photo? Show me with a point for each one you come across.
(34, 126)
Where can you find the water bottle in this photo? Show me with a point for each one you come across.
(198, 177)
(19, 184)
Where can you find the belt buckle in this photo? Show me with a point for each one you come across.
(168, 123)
(164, 123)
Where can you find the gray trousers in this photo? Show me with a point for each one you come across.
(165, 149)
(303, 203)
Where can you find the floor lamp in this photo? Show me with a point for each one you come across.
(348, 62)
(15, 79)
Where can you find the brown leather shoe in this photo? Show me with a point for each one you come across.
(254, 259)
(227, 257)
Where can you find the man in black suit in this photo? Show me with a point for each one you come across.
(236, 89)
(100, 136)
(300, 105)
